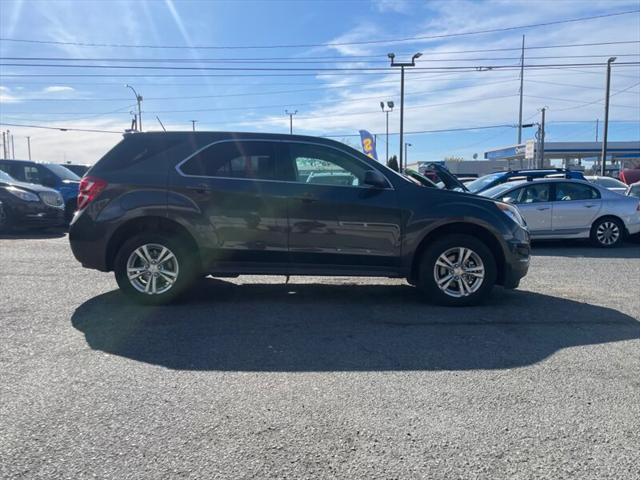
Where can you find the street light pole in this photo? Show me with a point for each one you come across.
(521, 93)
(139, 101)
(605, 131)
(406, 153)
(193, 125)
(392, 56)
(390, 104)
(291, 114)
(29, 146)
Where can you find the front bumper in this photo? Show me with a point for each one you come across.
(35, 215)
(517, 258)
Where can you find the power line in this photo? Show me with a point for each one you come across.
(329, 44)
(297, 72)
(286, 61)
(62, 129)
(386, 70)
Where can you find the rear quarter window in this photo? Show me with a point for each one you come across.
(133, 150)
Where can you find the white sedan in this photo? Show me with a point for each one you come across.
(565, 208)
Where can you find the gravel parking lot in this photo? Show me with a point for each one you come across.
(320, 378)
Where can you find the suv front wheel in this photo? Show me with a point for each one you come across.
(154, 269)
(457, 270)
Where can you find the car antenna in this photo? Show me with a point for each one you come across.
(160, 122)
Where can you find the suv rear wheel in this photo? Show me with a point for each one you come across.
(154, 269)
(457, 270)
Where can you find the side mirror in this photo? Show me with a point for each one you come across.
(375, 179)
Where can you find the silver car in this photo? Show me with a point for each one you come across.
(564, 208)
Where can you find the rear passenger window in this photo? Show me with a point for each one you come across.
(234, 160)
(575, 191)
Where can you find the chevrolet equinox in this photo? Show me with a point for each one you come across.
(161, 209)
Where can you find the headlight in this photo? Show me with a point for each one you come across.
(512, 212)
(23, 195)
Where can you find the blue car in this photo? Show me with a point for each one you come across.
(50, 175)
(488, 181)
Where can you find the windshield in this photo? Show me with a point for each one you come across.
(482, 182)
(5, 177)
(61, 172)
(496, 191)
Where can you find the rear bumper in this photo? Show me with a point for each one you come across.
(88, 241)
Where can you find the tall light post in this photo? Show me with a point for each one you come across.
(291, 114)
(412, 63)
(139, 101)
(605, 131)
(390, 105)
(406, 152)
(193, 125)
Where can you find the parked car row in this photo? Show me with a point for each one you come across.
(29, 205)
(36, 177)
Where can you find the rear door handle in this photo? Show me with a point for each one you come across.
(200, 188)
(307, 198)
(589, 206)
(543, 208)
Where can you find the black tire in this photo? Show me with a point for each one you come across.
(186, 270)
(474, 295)
(602, 231)
(5, 220)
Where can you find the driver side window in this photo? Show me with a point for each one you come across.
(315, 164)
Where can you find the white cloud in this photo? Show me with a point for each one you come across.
(6, 96)
(57, 89)
(397, 6)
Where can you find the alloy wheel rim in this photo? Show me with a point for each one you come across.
(608, 233)
(459, 272)
(152, 269)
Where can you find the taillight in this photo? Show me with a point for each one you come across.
(90, 188)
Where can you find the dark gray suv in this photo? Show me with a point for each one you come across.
(161, 209)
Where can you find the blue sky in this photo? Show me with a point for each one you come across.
(327, 104)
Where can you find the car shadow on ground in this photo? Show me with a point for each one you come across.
(24, 234)
(321, 327)
(581, 249)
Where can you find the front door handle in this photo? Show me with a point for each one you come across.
(307, 198)
(589, 206)
(200, 188)
(543, 208)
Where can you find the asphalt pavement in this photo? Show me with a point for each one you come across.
(319, 378)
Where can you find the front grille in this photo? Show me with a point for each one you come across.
(53, 199)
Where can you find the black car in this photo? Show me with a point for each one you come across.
(162, 208)
(29, 205)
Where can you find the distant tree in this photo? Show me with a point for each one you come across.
(393, 163)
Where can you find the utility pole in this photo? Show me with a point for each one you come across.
(541, 164)
(390, 104)
(13, 147)
(29, 146)
(193, 124)
(291, 114)
(597, 125)
(605, 132)
(4, 145)
(392, 56)
(521, 93)
(139, 101)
